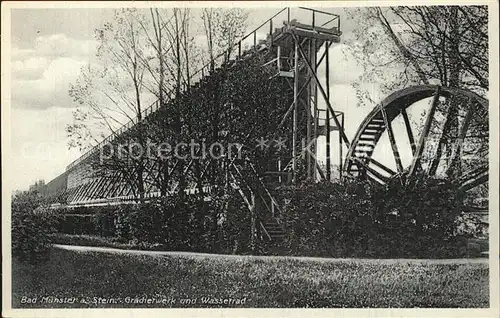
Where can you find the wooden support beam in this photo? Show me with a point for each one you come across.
(341, 156)
(113, 191)
(323, 93)
(478, 179)
(383, 167)
(320, 171)
(327, 124)
(318, 36)
(295, 110)
(314, 94)
(327, 48)
(392, 140)
(457, 149)
(90, 190)
(371, 170)
(79, 190)
(309, 137)
(409, 131)
(425, 132)
(99, 187)
(319, 29)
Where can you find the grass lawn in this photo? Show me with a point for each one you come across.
(92, 278)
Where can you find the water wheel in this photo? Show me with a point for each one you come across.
(423, 132)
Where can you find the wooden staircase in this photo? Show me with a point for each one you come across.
(262, 205)
(364, 149)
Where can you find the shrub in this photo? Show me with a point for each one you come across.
(358, 219)
(175, 223)
(235, 230)
(32, 224)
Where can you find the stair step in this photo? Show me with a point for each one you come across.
(272, 225)
(371, 133)
(362, 151)
(375, 127)
(368, 128)
(276, 233)
(364, 144)
(274, 230)
(367, 138)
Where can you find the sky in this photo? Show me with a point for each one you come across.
(49, 46)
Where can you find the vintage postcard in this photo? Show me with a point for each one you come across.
(250, 159)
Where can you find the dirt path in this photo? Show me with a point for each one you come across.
(300, 258)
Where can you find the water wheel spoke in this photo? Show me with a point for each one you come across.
(371, 170)
(473, 173)
(474, 178)
(409, 131)
(392, 140)
(457, 149)
(383, 167)
(445, 138)
(425, 132)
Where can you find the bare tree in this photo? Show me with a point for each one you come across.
(147, 54)
(111, 94)
(401, 46)
(223, 28)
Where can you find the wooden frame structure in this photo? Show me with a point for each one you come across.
(291, 54)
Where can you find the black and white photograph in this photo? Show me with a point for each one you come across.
(243, 155)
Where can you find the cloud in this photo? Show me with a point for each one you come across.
(54, 46)
(60, 45)
(20, 54)
(41, 74)
(39, 145)
(51, 90)
(31, 68)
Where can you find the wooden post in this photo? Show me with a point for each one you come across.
(314, 94)
(295, 109)
(341, 157)
(423, 135)
(323, 93)
(253, 223)
(328, 162)
(309, 164)
(278, 60)
(280, 178)
(392, 140)
(327, 78)
(271, 30)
